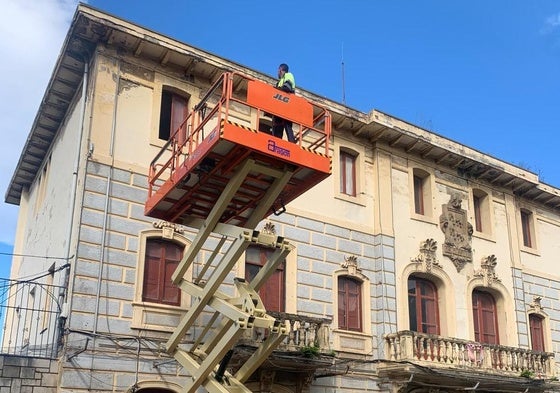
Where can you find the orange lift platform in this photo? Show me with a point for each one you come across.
(222, 172)
(225, 129)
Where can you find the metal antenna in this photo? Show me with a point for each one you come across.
(343, 86)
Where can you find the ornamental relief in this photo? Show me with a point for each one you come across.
(427, 259)
(458, 233)
(487, 270)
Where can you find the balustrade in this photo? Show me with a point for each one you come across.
(447, 351)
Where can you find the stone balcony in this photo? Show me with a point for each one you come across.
(304, 350)
(465, 364)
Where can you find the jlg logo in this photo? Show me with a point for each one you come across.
(282, 98)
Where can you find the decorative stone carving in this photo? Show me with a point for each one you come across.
(487, 270)
(427, 256)
(536, 306)
(458, 233)
(269, 228)
(351, 264)
(168, 228)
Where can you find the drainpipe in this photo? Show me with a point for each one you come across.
(64, 292)
(106, 208)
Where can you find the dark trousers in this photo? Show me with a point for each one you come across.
(278, 126)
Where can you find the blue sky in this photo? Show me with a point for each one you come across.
(482, 73)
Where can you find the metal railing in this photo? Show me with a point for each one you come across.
(30, 314)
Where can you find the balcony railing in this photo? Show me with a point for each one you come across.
(303, 331)
(30, 318)
(445, 351)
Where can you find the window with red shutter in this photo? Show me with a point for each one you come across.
(537, 332)
(272, 293)
(423, 311)
(485, 318)
(173, 111)
(349, 304)
(161, 260)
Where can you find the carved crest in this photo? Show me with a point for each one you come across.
(458, 232)
(536, 306)
(487, 270)
(427, 256)
(351, 263)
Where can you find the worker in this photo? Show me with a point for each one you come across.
(287, 83)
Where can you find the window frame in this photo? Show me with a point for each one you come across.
(527, 221)
(147, 315)
(421, 191)
(279, 275)
(419, 299)
(537, 335)
(480, 328)
(357, 326)
(361, 342)
(167, 125)
(163, 286)
(346, 158)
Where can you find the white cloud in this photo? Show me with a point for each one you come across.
(551, 24)
(32, 34)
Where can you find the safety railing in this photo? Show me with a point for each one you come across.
(236, 98)
(30, 314)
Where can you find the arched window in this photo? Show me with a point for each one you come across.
(536, 327)
(349, 303)
(273, 292)
(161, 259)
(485, 318)
(423, 311)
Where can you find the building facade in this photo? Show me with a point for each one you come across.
(419, 265)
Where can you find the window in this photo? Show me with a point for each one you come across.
(418, 195)
(477, 204)
(272, 293)
(173, 112)
(485, 318)
(423, 312)
(536, 327)
(347, 173)
(422, 192)
(349, 303)
(527, 228)
(481, 211)
(161, 260)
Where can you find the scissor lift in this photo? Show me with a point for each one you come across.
(222, 172)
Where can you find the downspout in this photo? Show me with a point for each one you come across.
(104, 227)
(106, 208)
(64, 292)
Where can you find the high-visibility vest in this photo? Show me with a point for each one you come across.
(288, 77)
